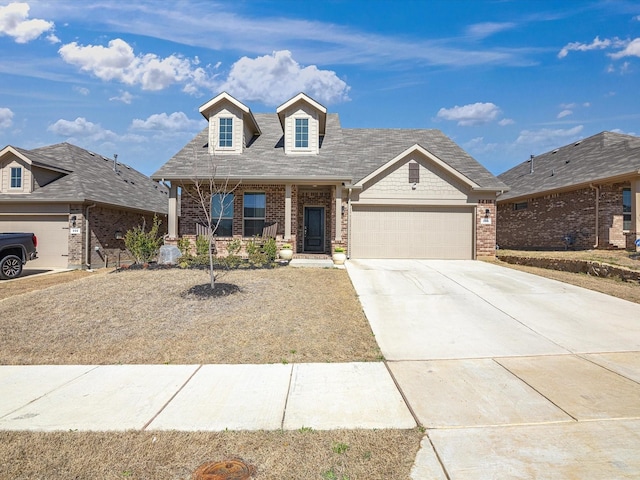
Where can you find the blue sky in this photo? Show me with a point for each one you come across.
(504, 79)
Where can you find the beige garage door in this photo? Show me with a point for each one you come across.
(411, 232)
(53, 237)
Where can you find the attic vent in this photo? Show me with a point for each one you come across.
(566, 161)
(577, 143)
(414, 172)
(555, 151)
(92, 154)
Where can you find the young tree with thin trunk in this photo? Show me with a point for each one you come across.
(214, 197)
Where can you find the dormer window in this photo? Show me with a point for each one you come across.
(225, 132)
(302, 133)
(16, 177)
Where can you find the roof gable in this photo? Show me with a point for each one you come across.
(425, 153)
(225, 97)
(301, 97)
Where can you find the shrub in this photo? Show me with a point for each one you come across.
(143, 246)
(339, 250)
(234, 246)
(202, 246)
(258, 259)
(270, 249)
(252, 247)
(184, 245)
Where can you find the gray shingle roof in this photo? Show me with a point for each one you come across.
(91, 178)
(345, 154)
(602, 156)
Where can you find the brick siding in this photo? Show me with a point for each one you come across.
(486, 233)
(103, 225)
(548, 219)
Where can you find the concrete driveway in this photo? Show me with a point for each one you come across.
(513, 375)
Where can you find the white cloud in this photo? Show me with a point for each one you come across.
(82, 91)
(547, 136)
(14, 23)
(632, 49)
(81, 128)
(273, 79)
(124, 97)
(506, 121)
(118, 62)
(597, 44)
(6, 117)
(477, 146)
(472, 114)
(565, 113)
(482, 30)
(175, 122)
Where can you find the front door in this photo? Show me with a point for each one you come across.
(314, 229)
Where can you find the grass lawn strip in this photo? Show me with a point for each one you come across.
(281, 455)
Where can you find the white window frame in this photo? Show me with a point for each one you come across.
(295, 133)
(226, 133)
(20, 178)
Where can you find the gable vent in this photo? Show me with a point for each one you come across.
(414, 172)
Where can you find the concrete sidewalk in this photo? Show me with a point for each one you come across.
(201, 397)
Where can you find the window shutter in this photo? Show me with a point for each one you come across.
(414, 172)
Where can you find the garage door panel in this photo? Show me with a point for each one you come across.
(412, 232)
(53, 237)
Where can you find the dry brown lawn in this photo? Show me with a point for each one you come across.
(277, 455)
(149, 317)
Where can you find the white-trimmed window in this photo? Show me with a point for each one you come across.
(302, 133)
(16, 178)
(254, 211)
(222, 214)
(225, 132)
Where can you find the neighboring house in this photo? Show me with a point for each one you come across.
(78, 203)
(583, 195)
(382, 193)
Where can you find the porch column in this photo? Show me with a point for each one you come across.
(287, 212)
(172, 223)
(635, 210)
(338, 210)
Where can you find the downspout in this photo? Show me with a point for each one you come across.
(349, 224)
(87, 240)
(597, 191)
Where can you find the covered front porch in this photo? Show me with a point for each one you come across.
(311, 217)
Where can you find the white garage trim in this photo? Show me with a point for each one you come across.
(394, 231)
(53, 237)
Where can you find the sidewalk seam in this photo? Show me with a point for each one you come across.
(404, 397)
(144, 427)
(286, 398)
